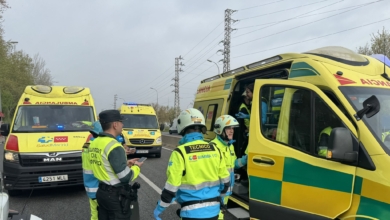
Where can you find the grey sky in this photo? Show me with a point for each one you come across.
(125, 47)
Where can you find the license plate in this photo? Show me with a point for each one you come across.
(44, 179)
(142, 151)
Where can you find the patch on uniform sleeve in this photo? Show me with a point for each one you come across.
(199, 148)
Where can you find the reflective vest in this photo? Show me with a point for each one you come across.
(246, 121)
(323, 151)
(91, 184)
(384, 135)
(230, 159)
(197, 171)
(99, 151)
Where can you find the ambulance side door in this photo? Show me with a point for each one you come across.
(288, 178)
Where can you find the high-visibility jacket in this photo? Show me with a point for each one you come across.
(109, 161)
(196, 171)
(230, 157)
(244, 108)
(323, 141)
(91, 184)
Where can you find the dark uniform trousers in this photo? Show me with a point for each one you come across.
(110, 205)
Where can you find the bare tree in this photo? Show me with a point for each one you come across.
(40, 73)
(380, 44)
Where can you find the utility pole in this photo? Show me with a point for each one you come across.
(115, 98)
(226, 41)
(178, 69)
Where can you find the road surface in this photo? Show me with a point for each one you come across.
(72, 202)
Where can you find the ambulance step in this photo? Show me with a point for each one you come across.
(239, 213)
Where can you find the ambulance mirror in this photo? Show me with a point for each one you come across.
(371, 106)
(162, 126)
(340, 146)
(4, 129)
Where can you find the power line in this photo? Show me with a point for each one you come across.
(282, 10)
(260, 5)
(289, 19)
(313, 38)
(296, 27)
(301, 16)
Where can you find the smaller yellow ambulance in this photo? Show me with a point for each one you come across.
(45, 138)
(141, 128)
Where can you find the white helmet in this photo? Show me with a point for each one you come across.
(190, 117)
(224, 121)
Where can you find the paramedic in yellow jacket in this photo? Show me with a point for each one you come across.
(196, 175)
(224, 128)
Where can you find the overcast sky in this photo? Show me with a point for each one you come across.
(125, 47)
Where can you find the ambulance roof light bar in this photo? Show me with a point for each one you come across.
(263, 62)
(42, 89)
(73, 89)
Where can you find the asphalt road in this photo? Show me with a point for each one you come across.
(72, 202)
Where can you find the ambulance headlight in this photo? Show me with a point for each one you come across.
(10, 156)
(158, 140)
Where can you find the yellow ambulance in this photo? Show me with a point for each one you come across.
(319, 143)
(141, 129)
(45, 138)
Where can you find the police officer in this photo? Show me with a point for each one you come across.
(91, 183)
(197, 173)
(224, 130)
(109, 165)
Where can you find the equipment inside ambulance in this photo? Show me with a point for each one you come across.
(328, 92)
(141, 128)
(45, 138)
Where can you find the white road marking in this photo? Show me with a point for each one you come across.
(167, 149)
(151, 184)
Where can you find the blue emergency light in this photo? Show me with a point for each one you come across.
(384, 59)
(60, 127)
(130, 103)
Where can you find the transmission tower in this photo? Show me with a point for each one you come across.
(226, 41)
(115, 98)
(178, 69)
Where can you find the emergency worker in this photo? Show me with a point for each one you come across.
(109, 165)
(91, 183)
(224, 130)
(196, 173)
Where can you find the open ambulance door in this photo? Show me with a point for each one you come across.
(288, 178)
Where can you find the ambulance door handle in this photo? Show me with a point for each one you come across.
(268, 161)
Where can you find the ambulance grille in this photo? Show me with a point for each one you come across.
(141, 141)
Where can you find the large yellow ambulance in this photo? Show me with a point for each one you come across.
(49, 128)
(141, 128)
(323, 151)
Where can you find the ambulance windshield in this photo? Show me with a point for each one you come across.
(379, 124)
(140, 121)
(53, 118)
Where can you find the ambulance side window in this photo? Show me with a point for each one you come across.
(297, 117)
(211, 116)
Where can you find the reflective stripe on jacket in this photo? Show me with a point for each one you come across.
(196, 171)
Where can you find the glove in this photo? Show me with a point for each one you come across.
(244, 160)
(158, 210)
(242, 115)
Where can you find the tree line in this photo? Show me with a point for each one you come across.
(17, 70)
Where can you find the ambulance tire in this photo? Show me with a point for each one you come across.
(158, 155)
(14, 192)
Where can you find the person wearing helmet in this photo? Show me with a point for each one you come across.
(196, 172)
(224, 130)
(91, 183)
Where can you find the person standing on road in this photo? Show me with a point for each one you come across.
(91, 183)
(196, 172)
(110, 166)
(224, 130)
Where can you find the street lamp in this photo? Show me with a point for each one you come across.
(13, 42)
(156, 92)
(215, 64)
